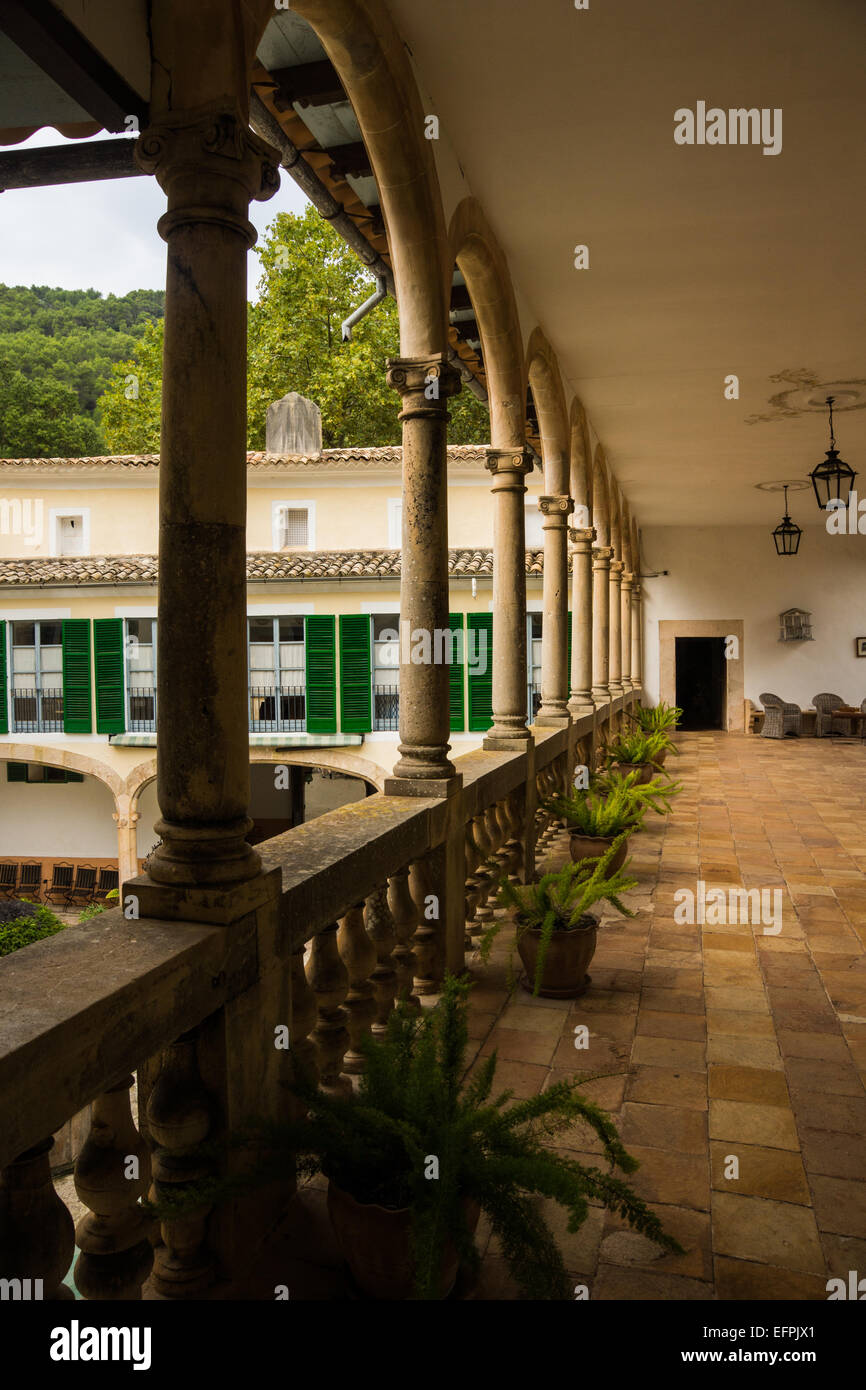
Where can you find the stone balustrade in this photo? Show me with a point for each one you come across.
(218, 1000)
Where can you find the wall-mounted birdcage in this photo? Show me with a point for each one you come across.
(795, 625)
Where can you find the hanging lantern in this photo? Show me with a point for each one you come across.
(833, 477)
(787, 534)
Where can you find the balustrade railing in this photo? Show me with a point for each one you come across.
(354, 910)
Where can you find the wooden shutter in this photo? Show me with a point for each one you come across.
(77, 716)
(356, 715)
(456, 703)
(321, 659)
(481, 685)
(108, 662)
(16, 772)
(4, 691)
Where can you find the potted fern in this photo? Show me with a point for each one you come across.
(556, 928)
(637, 752)
(596, 818)
(654, 795)
(662, 719)
(413, 1156)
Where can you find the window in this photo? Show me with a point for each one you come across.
(37, 677)
(39, 772)
(533, 653)
(277, 676)
(140, 648)
(395, 522)
(69, 532)
(386, 670)
(294, 525)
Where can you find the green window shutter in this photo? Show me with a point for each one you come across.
(16, 772)
(108, 661)
(4, 693)
(456, 703)
(77, 716)
(356, 716)
(481, 685)
(321, 662)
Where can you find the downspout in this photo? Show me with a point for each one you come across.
(291, 159)
(363, 309)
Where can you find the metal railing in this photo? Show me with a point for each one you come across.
(142, 709)
(386, 707)
(278, 711)
(37, 711)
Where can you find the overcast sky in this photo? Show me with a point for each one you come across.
(101, 236)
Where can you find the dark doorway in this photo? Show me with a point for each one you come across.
(700, 665)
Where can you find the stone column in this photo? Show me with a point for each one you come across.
(601, 558)
(126, 821)
(509, 467)
(554, 633)
(626, 589)
(615, 669)
(581, 539)
(637, 636)
(210, 165)
(424, 768)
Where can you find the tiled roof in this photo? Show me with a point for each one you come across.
(261, 565)
(388, 456)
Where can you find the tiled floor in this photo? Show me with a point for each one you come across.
(717, 1047)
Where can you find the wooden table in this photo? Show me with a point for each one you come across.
(851, 712)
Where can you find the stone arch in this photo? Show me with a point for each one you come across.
(365, 47)
(600, 498)
(338, 759)
(63, 757)
(478, 256)
(580, 459)
(615, 513)
(542, 370)
(625, 530)
(635, 548)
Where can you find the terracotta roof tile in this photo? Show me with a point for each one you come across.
(386, 456)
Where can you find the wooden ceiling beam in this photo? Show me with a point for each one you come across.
(53, 164)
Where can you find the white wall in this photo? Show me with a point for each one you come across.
(146, 836)
(62, 820)
(729, 572)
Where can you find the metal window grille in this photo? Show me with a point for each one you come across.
(294, 527)
(386, 707)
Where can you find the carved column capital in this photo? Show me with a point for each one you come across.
(425, 383)
(581, 538)
(509, 467)
(627, 581)
(556, 511)
(601, 556)
(210, 165)
(616, 568)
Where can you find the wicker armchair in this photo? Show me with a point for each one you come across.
(780, 718)
(824, 724)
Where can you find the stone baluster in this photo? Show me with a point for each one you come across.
(304, 1053)
(329, 981)
(503, 853)
(358, 954)
(111, 1173)
(37, 1233)
(405, 917)
(429, 952)
(472, 895)
(514, 843)
(484, 872)
(179, 1117)
(380, 929)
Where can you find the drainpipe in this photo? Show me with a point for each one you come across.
(291, 159)
(364, 309)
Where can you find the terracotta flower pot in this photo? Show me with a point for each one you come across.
(645, 771)
(594, 846)
(568, 957)
(375, 1241)
(660, 757)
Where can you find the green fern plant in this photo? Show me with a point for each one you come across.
(661, 719)
(410, 1104)
(599, 812)
(653, 796)
(637, 747)
(562, 901)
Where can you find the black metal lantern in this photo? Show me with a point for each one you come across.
(832, 479)
(787, 534)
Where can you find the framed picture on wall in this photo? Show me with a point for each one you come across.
(860, 646)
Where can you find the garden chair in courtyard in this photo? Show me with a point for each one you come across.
(61, 883)
(108, 880)
(8, 879)
(84, 887)
(780, 718)
(824, 704)
(30, 884)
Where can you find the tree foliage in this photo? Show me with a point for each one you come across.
(310, 283)
(57, 350)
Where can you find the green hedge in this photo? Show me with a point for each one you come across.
(23, 931)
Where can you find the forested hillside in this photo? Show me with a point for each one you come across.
(57, 348)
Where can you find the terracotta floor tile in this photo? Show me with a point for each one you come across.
(679, 1179)
(747, 1001)
(621, 1284)
(818, 1046)
(657, 1085)
(761, 1172)
(675, 1053)
(758, 1085)
(520, 1045)
(742, 1281)
(729, 1049)
(815, 1110)
(728, 1022)
(735, 1121)
(664, 1127)
(772, 1233)
(833, 1078)
(600, 1054)
(523, 1078)
(657, 1024)
(840, 1206)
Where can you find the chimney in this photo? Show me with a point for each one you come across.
(294, 426)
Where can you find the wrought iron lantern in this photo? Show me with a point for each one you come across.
(833, 477)
(787, 534)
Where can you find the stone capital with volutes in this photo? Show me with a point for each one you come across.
(617, 567)
(627, 581)
(210, 166)
(425, 383)
(602, 556)
(556, 511)
(509, 465)
(581, 538)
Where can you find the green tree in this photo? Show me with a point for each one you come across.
(310, 283)
(39, 418)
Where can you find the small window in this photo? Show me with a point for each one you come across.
(70, 532)
(294, 528)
